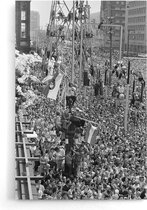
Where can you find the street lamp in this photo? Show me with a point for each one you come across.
(110, 22)
(110, 31)
(110, 36)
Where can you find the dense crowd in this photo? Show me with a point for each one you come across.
(113, 168)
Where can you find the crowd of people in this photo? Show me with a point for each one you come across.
(113, 168)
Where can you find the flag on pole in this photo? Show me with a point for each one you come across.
(46, 79)
(52, 93)
(91, 134)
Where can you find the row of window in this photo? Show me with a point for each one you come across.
(136, 37)
(137, 11)
(118, 14)
(23, 25)
(120, 21)
(120, 2)
(137, 3)
(137, 48)
(120, 8)
(136, 19)
(137, 27)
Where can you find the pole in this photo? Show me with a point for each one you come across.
(36, 43)
(110, 48)
(81, 52)
(142, 89)
(65, 91)
(110, 56)
(105, 82)
(89, 45)
(85, 22)
(127, 107)
(127, 99)
(128, 44)
(87, 120)
(53, 28)
(121, 40)
(73, 40)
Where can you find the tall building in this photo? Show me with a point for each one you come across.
(22, 25)
(35, 25)
(135, 27)
(113, 12)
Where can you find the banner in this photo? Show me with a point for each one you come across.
(53, 93)
(91, 134)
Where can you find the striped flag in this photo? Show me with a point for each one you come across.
(91, 134)
(54, 91)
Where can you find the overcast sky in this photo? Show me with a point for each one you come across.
(43, 7)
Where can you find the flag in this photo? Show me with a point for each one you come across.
(77, 121)
(70, 100)
(100, 24)
(49, 77)
(92, 72)
(63, 93)
(46, 90)
(53, 92)
(33, 135)
(91, 134)
(86, 79)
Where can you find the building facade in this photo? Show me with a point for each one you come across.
(113, 12)
(135, 27)
(34, 25)
(22, 25)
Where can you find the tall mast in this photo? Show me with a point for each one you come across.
(73, 43)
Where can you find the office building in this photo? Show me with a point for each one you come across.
(22, 25)
(113, 12)
(135, 27)
(34, 25)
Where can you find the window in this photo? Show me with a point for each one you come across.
(23, 15)
(23, 30)
(137, 27)
(137, 11)
(137, 19)
(117, 21)
(141, 36)
(23, 44)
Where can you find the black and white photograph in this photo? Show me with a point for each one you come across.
(80, 100)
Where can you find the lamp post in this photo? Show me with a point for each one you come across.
(73, 42)
(110, 35)
(128, 43)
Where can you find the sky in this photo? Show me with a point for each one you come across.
(43, 7)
